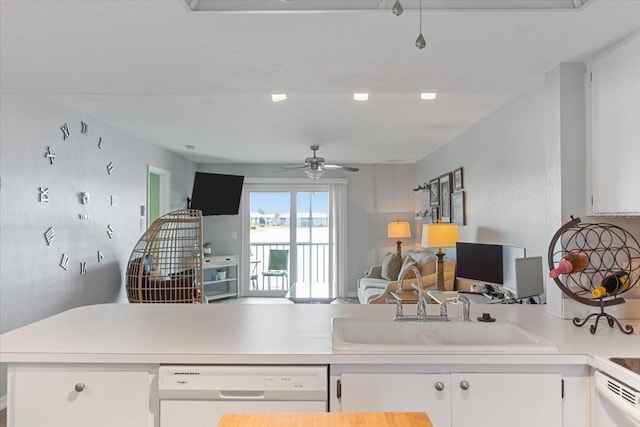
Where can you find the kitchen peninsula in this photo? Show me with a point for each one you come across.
(117, 350)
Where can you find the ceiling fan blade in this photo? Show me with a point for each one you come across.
(315, 165)
(293, 167)
(346, 168)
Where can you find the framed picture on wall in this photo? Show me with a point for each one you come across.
(434, 215)
(457, 208)
(457, 180)
(434, 191)
(445, 197)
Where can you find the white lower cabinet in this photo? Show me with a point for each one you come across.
(458, 399)
(75, 397)
(398, 392)
(521, 399)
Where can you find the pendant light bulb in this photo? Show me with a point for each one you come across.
(420, 41)
(397, 8)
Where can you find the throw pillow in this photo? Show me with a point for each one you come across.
(391, 265)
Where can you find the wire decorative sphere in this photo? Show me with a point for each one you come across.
(610, 250)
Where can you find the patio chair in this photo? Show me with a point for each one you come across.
(278, 267)
(254, 275)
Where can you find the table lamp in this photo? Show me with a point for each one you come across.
(398, 230)
(439, 236)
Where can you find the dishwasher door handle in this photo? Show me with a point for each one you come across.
(242, 394)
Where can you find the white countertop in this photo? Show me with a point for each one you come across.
(275, 334)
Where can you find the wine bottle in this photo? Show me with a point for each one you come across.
(612, 284)
(572, 262)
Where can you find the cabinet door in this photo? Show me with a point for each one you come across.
(506, 400)
(615, 108)
(104, 399)
(398, 392)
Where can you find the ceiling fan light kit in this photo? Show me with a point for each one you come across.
(314, 173)
(315, 166)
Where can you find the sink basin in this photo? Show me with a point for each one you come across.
(364, 335)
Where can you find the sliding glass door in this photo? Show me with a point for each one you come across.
(312, 237)
(288, 237)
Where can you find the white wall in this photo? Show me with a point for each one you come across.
(503, 160)
(525, 171)
(32, 284)
(377, 195)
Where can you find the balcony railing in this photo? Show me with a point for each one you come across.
(312, 265)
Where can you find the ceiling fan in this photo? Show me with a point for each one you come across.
(315, 166)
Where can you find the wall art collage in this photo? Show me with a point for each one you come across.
(446, 198)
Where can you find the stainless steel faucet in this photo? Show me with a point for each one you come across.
(421, 306)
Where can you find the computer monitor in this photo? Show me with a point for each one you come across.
(479, 262)
(528, 281)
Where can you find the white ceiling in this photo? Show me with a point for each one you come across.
(174, 77)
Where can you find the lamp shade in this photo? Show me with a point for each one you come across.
(398, 230)
(439, 235)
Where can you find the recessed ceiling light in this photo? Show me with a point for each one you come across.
(277, 97)
(428, 96)
(361, 96)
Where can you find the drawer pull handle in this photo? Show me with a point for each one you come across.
(79, 387)
(439, 386)
(464, 385)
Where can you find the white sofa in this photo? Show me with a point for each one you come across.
(373, 289)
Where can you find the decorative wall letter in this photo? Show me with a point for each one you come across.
(44, 194)
(49, 235)
(65, 131)
(110, 231)
(64, 262)
(50, 155)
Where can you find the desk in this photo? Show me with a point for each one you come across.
(439, 296)
(328, 419)
(309, 293)
(410, 297)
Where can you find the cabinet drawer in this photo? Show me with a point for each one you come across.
(76, 397)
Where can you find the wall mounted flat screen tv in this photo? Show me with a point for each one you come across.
(216, 194)
(479, 262)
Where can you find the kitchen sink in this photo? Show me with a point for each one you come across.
(364, 335)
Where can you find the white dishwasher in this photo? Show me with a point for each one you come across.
(197, 396)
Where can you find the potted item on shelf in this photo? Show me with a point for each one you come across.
(206, 249)
(222, 273)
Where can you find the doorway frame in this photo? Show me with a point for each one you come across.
(164, 199)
